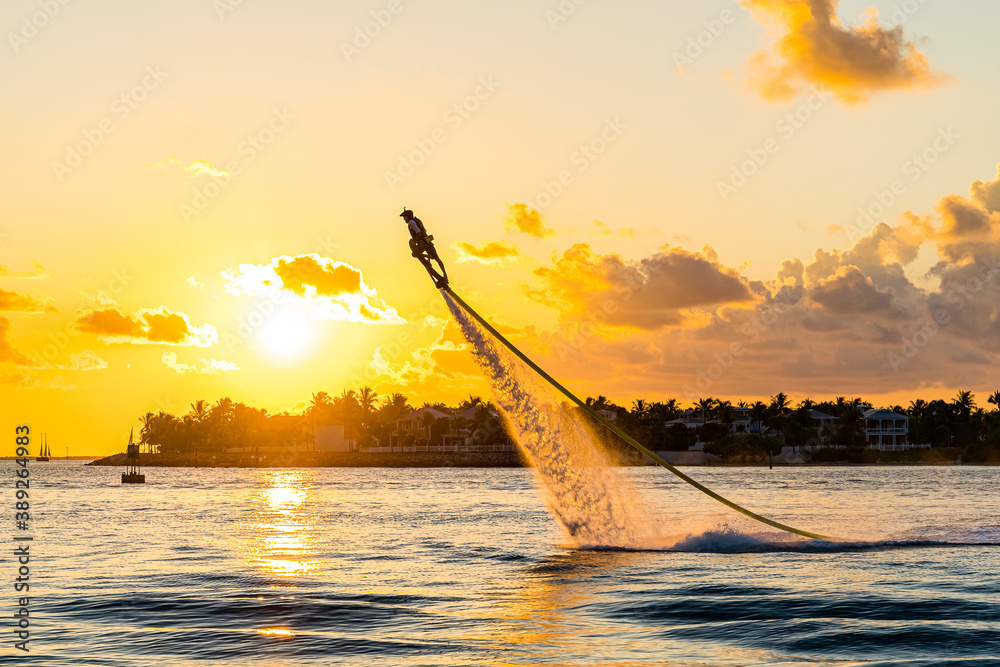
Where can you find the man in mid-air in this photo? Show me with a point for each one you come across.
(422, 247)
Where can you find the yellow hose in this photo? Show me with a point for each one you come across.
(621, 434)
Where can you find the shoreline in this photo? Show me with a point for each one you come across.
(449, 460)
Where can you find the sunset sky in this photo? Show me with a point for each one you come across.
(200, 199)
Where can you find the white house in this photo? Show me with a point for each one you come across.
(886, 430)
(610, 415)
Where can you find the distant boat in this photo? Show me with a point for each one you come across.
(45, 453)
(132, 474)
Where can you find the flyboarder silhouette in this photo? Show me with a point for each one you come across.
(422, 247)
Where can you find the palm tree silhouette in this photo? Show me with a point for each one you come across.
(965, 402)
(705, 405)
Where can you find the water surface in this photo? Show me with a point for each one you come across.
(467, 567)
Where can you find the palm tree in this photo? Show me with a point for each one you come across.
(994, 399)
(428, 420)
(724, 410)
(319, 405)
(470, 402)
(758, 413)
(199, 411)
(599, 403)
(347, 408)
(965, 402)
(146, 433)
(917, 408)
(367, 400)
(780, 403)
(852, 422)
(705, 405)
(639, 408)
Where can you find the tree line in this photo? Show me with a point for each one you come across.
(369, 419)
(959, 423)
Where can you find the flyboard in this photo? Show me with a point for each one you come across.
(422, 248)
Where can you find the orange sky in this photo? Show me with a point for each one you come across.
(725, 199)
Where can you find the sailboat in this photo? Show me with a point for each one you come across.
(132, 475)
(45, 453)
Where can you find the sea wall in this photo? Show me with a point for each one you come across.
(327, 460)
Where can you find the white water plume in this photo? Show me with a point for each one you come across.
(595, 504)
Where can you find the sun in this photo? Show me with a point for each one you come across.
(287, 336)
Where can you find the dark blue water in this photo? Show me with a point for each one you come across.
(467, 567)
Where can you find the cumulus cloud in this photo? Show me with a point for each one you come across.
(149, 326)
(814, 48)
(8, 352)
(200, 367)
(849, 291)
(491, 252)
(649, 294)
(15, 301)
(335, 290)
(857, 321)
(526, 220)
(964, 218)
(987, 193)
(37, 272)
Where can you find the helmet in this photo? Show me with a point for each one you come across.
(407, 214)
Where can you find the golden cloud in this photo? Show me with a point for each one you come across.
(336, 290)
(146, 326)
(987, 194)
(491, 252)
(15, 301)
(526, 220)
(813, 47)
(648, 294)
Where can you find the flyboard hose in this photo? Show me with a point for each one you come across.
(621, 434)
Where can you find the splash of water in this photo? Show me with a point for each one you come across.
(596, 506)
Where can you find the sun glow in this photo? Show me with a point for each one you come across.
(287, 336)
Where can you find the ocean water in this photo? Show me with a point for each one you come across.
(468, 567)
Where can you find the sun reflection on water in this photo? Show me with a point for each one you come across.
(281, 538)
